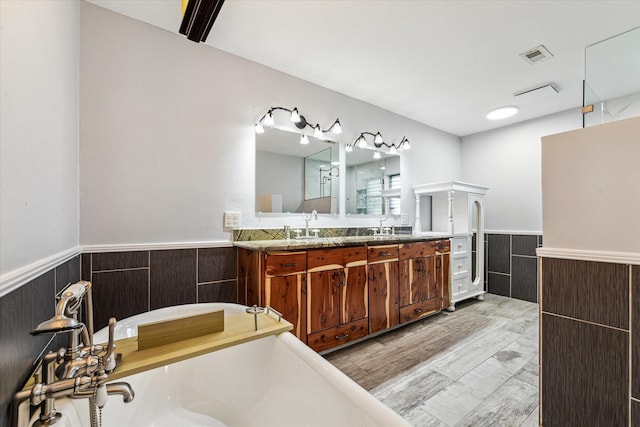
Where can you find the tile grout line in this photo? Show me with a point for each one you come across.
(585, 321)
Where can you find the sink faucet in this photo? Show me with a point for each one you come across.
(82, 368)
(307, 218)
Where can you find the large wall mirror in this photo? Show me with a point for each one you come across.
(366, 178)
(293, 177)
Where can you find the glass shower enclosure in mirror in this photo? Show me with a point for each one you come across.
(294, 177)
(366, 178)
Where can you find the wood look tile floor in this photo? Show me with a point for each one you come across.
(477, 366)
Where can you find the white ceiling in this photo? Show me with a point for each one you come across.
(441, 63)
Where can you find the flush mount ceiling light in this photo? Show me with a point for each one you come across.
(299, 121)
(198, 18)
(377, 144)
(502, 112)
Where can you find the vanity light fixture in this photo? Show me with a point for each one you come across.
(298, 120)
(304, 139)
(378, 144)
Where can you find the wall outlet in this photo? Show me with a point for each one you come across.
(231, 219)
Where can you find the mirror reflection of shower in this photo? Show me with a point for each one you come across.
(327, 175)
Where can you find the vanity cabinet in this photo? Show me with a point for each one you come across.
(383, 271)
(337, 297)
(340, 294)
(424, 278)
(285, 288)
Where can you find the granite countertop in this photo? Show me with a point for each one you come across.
(334, 242)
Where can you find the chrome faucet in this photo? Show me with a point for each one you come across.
(82, 367)
(307, 218)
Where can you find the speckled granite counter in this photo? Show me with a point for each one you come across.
(334, 242)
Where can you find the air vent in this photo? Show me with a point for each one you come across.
(535, 55)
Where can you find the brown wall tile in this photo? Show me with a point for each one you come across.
(173, 277)
(215, 264)
(594, 291)
(67, 273)
(635, 336)
(119, 294)
(119, 260)
(218, 292)
(584, 374)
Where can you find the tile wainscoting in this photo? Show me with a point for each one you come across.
(129, 283)
(124, 284)
(22, 310)
(512, 265)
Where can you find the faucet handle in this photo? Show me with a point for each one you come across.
(315, 231)
(298, 232)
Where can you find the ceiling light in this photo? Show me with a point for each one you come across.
(502, 112)
(361, 142)
(393, 150)
(378, 138)
(198, 18)
(304, 139)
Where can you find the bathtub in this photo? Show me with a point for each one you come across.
(272, 381)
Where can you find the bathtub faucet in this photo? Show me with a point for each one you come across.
(78, 371)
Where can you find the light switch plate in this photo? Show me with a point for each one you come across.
(231, 219)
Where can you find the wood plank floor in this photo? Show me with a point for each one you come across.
(477, 366)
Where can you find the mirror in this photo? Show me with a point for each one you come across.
(294, 177)
(366, 178)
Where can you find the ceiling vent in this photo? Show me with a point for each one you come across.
(535, 55)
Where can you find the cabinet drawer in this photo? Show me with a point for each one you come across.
(284, 263)
(443, 246)
(419, 309)
(459, 283)
(382, 253)
(459, 244)
(417, 250)
(459, 264)
(339, 335)
(325, 259)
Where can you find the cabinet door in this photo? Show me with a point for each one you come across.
(323, 296)
(354, 297)
(287, 295)
(383, 295)
(416, 280)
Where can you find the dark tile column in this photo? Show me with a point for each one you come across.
(217, 275)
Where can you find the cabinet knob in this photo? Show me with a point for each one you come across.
(342, 337)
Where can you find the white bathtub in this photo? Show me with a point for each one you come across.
(273, 381)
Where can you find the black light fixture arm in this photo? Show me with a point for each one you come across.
(300, 122)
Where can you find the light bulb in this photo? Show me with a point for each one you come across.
(406, 145)
(317, 132)
(348, 148)
(259, 128)
(268, 119)
(295, 116)
(304, 139)
(362, 143)
(336, 128)
(393, 150)
(376, 154)
(378, 138)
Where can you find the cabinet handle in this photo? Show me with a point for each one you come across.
(459, 266)
(288, 264)
(419, 310)
(384, 253)
(341, 337)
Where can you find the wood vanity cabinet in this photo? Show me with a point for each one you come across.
(383, 271)
(424, 278)
(285, 287)
(337, 296)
